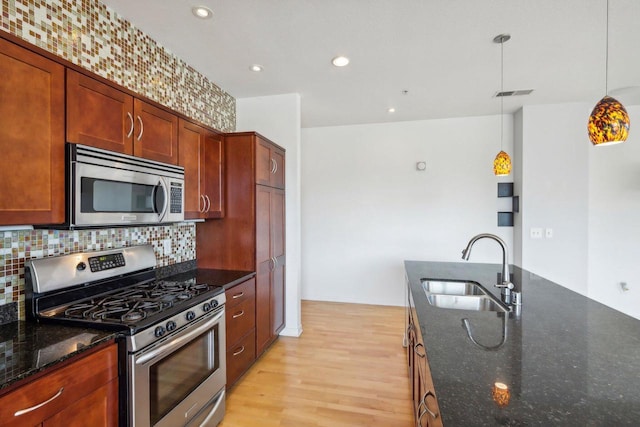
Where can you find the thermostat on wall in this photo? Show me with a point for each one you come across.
(421, 166)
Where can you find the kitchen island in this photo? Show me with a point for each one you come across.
(566, 359)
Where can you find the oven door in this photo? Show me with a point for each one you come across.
(177, 379)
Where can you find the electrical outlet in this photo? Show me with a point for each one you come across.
(536, 233)
(548, 233)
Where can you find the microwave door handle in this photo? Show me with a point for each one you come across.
(160, 200)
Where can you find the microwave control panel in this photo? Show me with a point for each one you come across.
(176, 198)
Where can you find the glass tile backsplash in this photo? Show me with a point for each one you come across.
(173, 244)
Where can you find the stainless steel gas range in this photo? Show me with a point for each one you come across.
(173, 331)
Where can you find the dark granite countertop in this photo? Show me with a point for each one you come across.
(27, 348)
(568, 360)
(225, 278)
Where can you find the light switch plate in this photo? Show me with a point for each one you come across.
(536, 233)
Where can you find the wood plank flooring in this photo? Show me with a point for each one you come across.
(348, 368)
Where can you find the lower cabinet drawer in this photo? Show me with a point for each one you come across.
(240, 357)
(239, 320)
(46, 396)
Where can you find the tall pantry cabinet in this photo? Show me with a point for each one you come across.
(252, 234)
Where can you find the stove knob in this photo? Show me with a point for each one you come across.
(81, 266)
(171, 325)
(159, 331)
(214, 303)
(190, 315)
(206, 307)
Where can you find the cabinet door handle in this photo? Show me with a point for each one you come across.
(39, 405)
(141, 128)
(208, 203)
(273, 166)
(238, 314)
(130, 125)
(203, 204)
(238, 295)
(275, 163)
(235, 353)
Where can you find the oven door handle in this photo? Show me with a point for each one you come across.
(179, 341)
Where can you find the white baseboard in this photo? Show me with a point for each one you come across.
(291, 332)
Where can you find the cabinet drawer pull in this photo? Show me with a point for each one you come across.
(141, 128)
(238, 295)
(130, 125)
(415, 349)
(238, 314)
(39, 405)
(235, 353)
(424, 400)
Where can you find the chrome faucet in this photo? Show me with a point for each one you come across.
(506, 284)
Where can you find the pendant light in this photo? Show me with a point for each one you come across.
(609, 121)
(502, 162)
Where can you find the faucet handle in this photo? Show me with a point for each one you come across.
(507, 285)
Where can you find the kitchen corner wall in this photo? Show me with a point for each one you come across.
(93, 36)
(172, 244)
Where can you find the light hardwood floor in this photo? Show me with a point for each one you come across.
(348, 368)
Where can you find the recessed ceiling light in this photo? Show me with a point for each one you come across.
(391, 110)
(257, 68)
(340, 61)
(202, 12)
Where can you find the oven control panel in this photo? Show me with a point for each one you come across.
(106, 262)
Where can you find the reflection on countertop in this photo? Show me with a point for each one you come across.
(29, 347)
(565, 359)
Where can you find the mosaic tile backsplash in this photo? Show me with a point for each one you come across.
(93, 36)
(173, 244)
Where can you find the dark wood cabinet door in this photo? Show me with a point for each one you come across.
(189, 157)
(264, 163)
(98, 114)
(277, 178)
(31, 137)
(98, 408)
(277, 237)
(213, 178)
(156, 133)
(264, 334)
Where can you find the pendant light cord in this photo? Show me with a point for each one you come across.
(606, 57)
(502, 93)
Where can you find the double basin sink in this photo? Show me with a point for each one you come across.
(460, 295)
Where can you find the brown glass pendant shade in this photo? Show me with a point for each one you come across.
(608, 122)
(502, 164)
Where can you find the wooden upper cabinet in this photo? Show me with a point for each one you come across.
(214, 174)
(156, 133)
(102, 116)
(31, 137)
(200, 152)
(98, 114)
(269, 164)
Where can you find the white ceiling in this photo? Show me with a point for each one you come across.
(440, 51)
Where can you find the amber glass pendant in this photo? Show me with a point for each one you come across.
(608, 122)
(502, 164)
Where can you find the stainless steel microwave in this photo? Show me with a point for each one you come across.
(105, 188)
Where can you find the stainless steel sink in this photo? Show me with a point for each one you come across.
(450, 287)
(460, 295)
(465, 302)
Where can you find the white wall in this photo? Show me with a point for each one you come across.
(554, 187)
(365, 208)
(614, 221)
(278, 118)
(589, 196)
